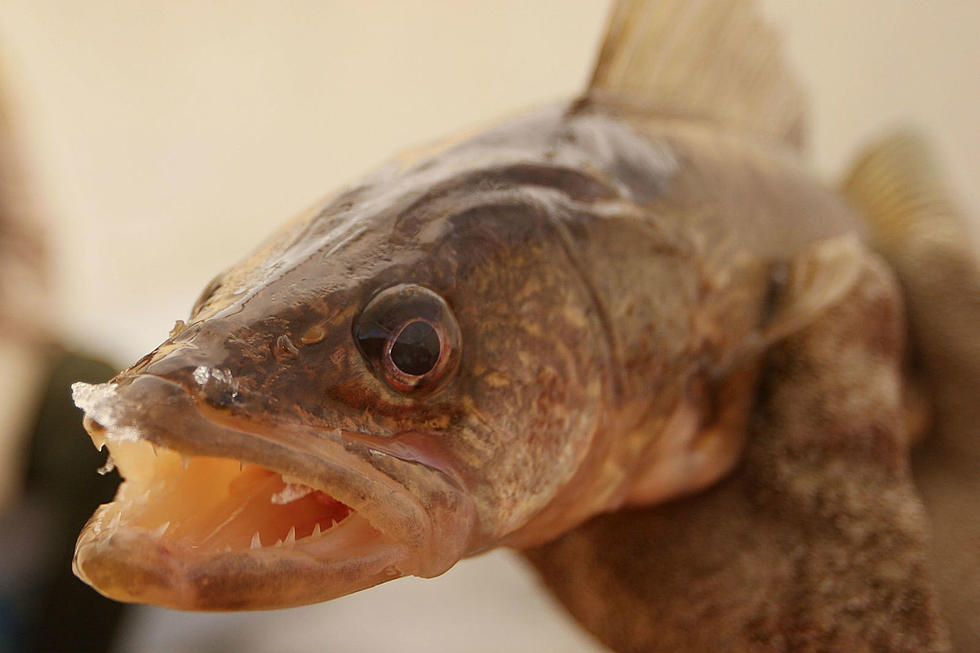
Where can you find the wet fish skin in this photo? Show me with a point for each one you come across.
(593, 282)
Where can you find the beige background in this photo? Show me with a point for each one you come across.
(165, 139)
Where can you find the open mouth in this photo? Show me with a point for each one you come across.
(210, 505)
(207, 532)
(200, 532)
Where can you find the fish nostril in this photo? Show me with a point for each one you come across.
(284, 349)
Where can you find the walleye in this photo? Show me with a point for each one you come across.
(561, 316)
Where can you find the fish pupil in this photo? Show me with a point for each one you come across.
(416, 349)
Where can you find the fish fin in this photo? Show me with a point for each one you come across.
(927, 240)
(716, 60)
(811, 283)
(800, 291)
(896, 184)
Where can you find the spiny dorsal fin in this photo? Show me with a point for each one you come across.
(713, 59)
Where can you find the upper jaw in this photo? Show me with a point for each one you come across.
(405, 517)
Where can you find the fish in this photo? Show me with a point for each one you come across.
(490, 342)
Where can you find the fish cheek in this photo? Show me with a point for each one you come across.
(530, 398)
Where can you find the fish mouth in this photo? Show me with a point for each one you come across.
(232, 515)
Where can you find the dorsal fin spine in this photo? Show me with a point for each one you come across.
(709, 59)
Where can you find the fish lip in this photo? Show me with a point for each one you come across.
(166, 414)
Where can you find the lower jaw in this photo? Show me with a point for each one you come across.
(135, 565)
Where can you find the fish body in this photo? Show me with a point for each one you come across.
(592, 284)
(560, 316)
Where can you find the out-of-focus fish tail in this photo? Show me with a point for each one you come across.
(919, 230)
(926, 239)
(716, 60)
(897, 185)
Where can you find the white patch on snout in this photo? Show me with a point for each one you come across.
(202, 374)
(100, 403)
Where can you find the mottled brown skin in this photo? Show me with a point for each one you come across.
(817, 542)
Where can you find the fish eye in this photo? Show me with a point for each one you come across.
(409, 337)
(415, 350)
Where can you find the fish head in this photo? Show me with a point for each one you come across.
(405, 377)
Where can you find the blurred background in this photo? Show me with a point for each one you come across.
(158, 142)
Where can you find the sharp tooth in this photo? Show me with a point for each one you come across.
(256, 541)
(185, 460)
(110, 465)
(241, 466)
(316, 530)
(278, 543)
(291, 535)
(162, 529)
(155, 452)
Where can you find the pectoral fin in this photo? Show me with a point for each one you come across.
(801, 291)
(811, 284)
